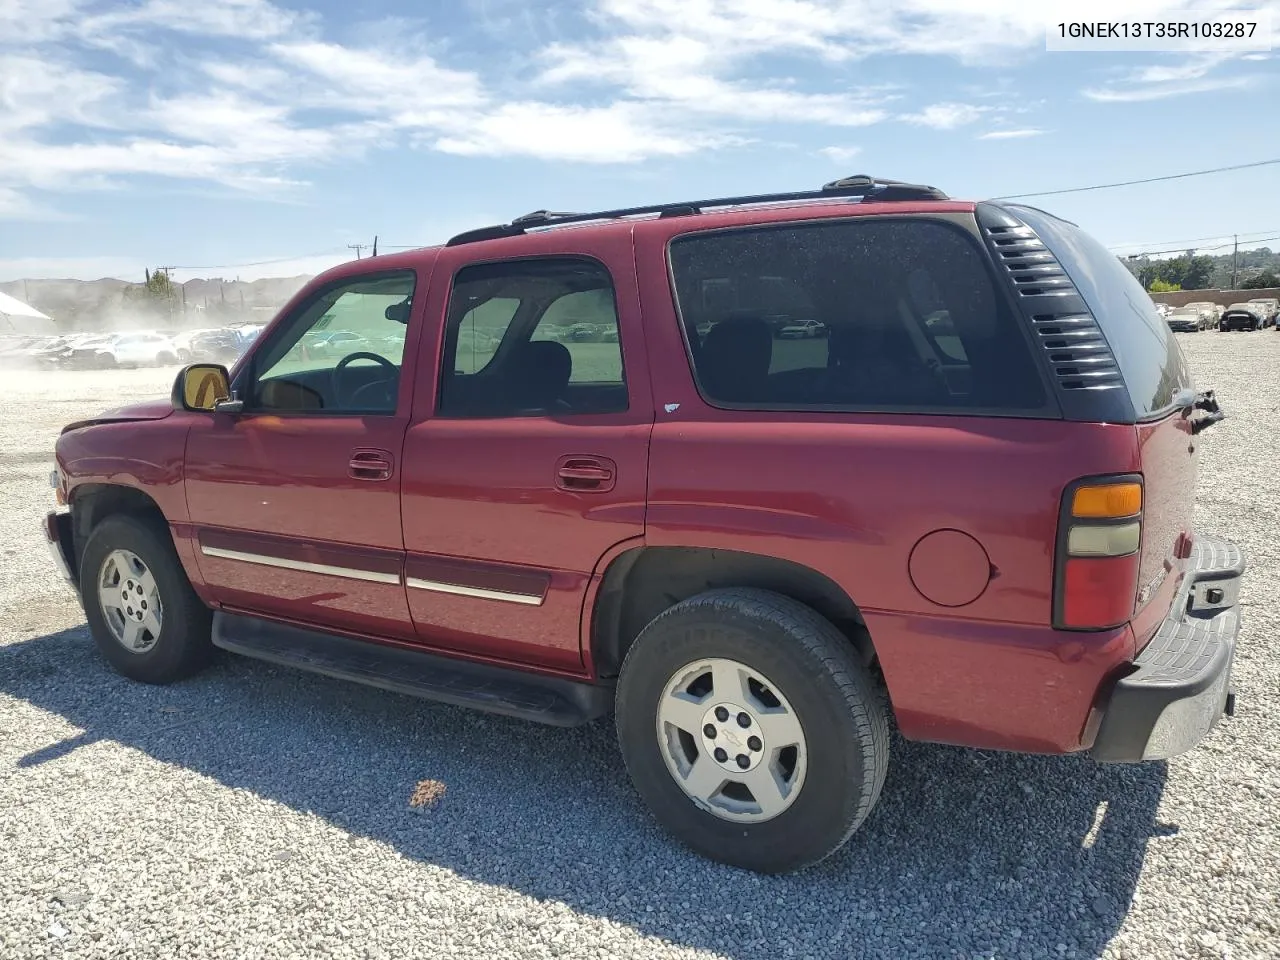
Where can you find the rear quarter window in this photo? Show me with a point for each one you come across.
(1150, 360)
(868, 313)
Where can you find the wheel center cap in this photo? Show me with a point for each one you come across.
(731, 736)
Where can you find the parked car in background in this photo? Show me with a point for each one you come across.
(1163, 308)
(182, 343)
(803, 329)
(1242, 316)
(1188, 319)
(123, 350)
(333, 343)
(1206, 309)
(217, 346)
(753, 566)
(1270, 309)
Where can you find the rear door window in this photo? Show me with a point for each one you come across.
(536, 337)
(1150, 359)
(884, 313)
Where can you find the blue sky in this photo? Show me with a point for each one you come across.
(219, 133)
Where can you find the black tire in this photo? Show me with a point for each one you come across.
(814, 667)
(183, 646)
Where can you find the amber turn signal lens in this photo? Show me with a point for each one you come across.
(1107, 500)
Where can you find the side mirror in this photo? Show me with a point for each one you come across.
(205, 387)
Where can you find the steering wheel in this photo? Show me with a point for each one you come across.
(341, 397)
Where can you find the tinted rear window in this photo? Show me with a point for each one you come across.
(1150, 359)
(867, 313)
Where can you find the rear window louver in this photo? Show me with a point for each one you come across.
(1079, 355)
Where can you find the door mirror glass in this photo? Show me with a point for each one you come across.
(201, 386)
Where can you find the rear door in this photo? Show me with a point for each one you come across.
(527, 458)
(296, 502)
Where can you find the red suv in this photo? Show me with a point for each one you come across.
(569, 466)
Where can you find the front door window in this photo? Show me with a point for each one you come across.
(341, 353)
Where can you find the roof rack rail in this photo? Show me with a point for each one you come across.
(861, 185)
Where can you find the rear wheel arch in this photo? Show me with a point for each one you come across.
(641, 583)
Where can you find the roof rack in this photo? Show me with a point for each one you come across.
(871, 188)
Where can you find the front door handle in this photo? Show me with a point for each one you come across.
(370, 465)
(586, 474)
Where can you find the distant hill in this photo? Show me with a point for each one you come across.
(103, 304)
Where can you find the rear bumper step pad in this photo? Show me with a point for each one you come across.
(1180, 684)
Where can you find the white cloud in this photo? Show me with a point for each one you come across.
(371, 81)
(243, 19)
(247, 93)
(1019, 134)
(36, 92)
(946, 116)
(1188, 73)
(840, 154)
(1134, 93)
(688, 73)
(620, 133)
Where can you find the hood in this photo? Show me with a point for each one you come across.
(147, 410)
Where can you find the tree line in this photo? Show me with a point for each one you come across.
(1252, 270)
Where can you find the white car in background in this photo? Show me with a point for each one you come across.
(124, 350)
(1207, 309)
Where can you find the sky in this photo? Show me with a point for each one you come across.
(251, 138)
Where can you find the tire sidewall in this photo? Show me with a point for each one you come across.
(176, 651)
(826, 810)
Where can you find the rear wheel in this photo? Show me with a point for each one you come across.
(752, 729)
(145, 618)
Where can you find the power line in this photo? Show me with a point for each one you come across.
(1216, 236)
(1130, 183)
(256, 263)
(1217, 246)
(359, 248)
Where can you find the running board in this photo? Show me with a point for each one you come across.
(513, 693)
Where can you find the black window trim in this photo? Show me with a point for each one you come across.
(961, 223)
(447, 358)
(247, 375)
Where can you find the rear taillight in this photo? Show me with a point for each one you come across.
(1098, 554)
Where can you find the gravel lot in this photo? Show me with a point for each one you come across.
(256, 812)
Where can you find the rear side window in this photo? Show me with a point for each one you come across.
(871, 313)
(1150, 359)
(534, 337)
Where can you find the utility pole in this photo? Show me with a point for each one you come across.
(1235, 250)
(357, 247)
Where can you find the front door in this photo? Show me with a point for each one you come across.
(296, 501)
(527, 460)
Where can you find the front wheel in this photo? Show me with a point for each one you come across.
(146, 620)
(752, 729)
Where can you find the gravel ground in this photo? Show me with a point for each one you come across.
(256, 812)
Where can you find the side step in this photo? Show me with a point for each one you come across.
(513, 693)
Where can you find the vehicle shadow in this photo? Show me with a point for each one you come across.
(1002, 854)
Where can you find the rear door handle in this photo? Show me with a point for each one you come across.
(586, 474)
(370, 465)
